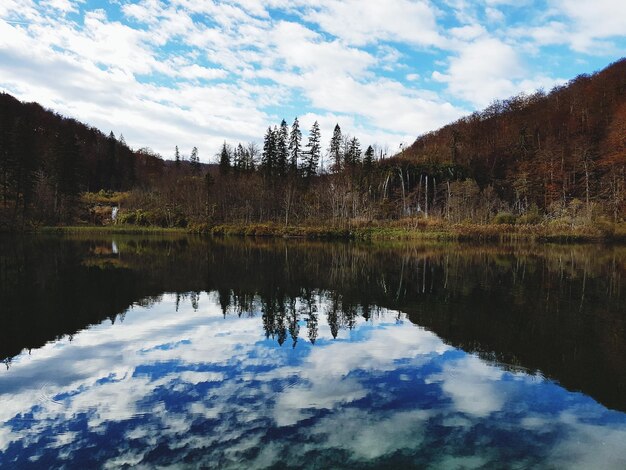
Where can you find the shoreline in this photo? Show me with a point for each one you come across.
(382, 232)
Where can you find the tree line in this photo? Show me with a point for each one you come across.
(47, 160)
(548, 156)
(554, 152)
(283, 153)
(557, 156)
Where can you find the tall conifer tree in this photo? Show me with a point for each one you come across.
(268, 160)
(295, 139)
(282, 149)
(335, 148)
(225, 159)
(312, 157)
(353, 156)
(194, 159)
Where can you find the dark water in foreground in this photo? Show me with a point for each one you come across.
(148, 352)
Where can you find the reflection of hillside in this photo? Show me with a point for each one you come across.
(558, 309)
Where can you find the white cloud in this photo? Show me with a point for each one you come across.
(483, 70)
(494, 15)
(468, 32)
(358, 22)
(472, 385)
(591, 21)
(65, 6)
(488, 69)
(195, 72)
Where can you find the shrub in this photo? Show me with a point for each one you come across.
(530, 218)
(504, 218)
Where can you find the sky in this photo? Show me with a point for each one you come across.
(201, 72)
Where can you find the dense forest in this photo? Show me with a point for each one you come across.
(564, 150)
(47, 161)
(529, 159)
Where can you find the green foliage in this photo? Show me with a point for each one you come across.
(505, 218)
(158, 218)
(531, 217)
(105, 197)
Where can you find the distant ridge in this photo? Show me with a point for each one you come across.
(542, 149)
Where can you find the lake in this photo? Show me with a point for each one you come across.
(150, 351)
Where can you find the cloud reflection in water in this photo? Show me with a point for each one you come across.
(192, 387)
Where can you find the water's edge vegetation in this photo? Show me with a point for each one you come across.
(399, 230)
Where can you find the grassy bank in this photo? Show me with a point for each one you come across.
(394, 230)
(430, 231)
(116, 229)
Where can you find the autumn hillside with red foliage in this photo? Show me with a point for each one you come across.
(545, 150)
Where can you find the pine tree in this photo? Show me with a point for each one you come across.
(239, 159)
(353, 156)
(225, 159)
(312, 157)
(177, 157)
(252, 152)
(268, 160)
(335, 149)
(194, 159)
(368, 158)
(282, 151)
(295, 139)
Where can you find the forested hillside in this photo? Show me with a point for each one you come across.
(554, 151)
(549, 158)
(47, 160)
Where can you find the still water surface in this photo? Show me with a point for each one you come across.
(148, 352)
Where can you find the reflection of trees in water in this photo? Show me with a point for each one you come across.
(559, 309)
(283, 314)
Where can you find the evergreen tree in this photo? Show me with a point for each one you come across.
(177, 157)
(268, 160)
(194, 159)
(225, 159)
(251, 154)
(282, 151)
(368, 158)
(334, 149)
(295, 139)
(353, 156)
(238, 159)
(312, 157)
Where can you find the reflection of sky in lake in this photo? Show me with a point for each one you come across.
(193, 388)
